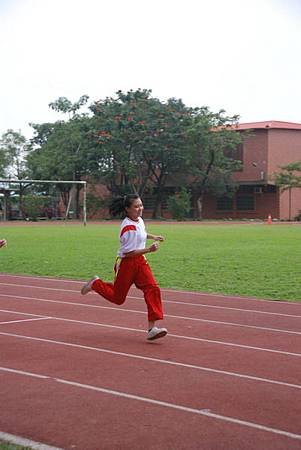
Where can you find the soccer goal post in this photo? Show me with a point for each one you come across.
(11, 181)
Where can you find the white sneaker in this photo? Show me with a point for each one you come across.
(156, 333)
(88, 286)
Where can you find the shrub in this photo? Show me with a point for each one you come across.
(95, 203)
(179, 204)
(33, 206)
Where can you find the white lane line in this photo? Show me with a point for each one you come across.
(173, 291)
(201, 412)
(203, 305)
(233, 324)
(22, 372)
(274, 302)
(23, 320)
(227, 296)
(191, 338)
(17, 440)
(157, 360)
(39, 287)
(24, 314)
(122, 309)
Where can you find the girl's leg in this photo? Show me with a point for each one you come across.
(152, 294)
(146, 282)
(116, 292)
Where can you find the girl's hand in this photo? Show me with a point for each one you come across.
(3, 243)
(159, 238)
(154, 247)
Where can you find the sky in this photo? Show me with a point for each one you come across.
(242, 56)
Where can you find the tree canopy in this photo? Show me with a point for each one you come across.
(289, 176)
(134, 142)
(141, 139)
(13, 149)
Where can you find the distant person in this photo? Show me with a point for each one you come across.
(3, 243)
(131, 265)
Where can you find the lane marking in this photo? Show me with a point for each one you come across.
(25, 314)
(203, 305)
(22, 372)
(174, 291)
(165, 301)
(157, 360)
(201, 412)
(17, 440)
(23, 320)
(233, 297)
(191, 338)
(120, 309)
(233, 324)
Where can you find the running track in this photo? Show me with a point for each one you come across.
(77, 372)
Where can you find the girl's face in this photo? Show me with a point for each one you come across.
(135, 210)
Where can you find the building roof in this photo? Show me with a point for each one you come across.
(268, 124)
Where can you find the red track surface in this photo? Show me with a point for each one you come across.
(77, 372)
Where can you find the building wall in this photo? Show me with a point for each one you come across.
(284, 147)
(255, 154)
(264, 150)
(290, 204)
(100, 191)
(265, 204)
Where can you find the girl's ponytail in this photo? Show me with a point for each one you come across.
(118, 204)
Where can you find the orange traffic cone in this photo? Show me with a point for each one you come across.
(269, 220)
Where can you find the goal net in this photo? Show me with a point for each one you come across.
(43, 199)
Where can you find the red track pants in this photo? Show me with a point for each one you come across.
(133, 270)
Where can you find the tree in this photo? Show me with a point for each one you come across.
(289, 178)
(118, 125)
(167, 154)
(211, 158)
(59, 150)
(62, 104)
(142, 141)
(13, 150)
(4, 161)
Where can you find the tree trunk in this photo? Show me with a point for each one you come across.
(199, 204)
(157, 207)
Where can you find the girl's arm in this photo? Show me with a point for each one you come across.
(152, 248)
(153, 237)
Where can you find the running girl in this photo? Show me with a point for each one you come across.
(131, 266)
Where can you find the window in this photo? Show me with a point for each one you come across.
(245, 203)
(246, 189)
(224, 204)
(270, 188)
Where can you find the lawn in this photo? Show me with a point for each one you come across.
(8, 446)
(242, 259)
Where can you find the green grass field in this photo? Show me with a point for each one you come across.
(8, 446)
(241, 259)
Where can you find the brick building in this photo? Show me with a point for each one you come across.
(269, 145)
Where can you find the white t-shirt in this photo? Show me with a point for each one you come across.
(132, 236)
